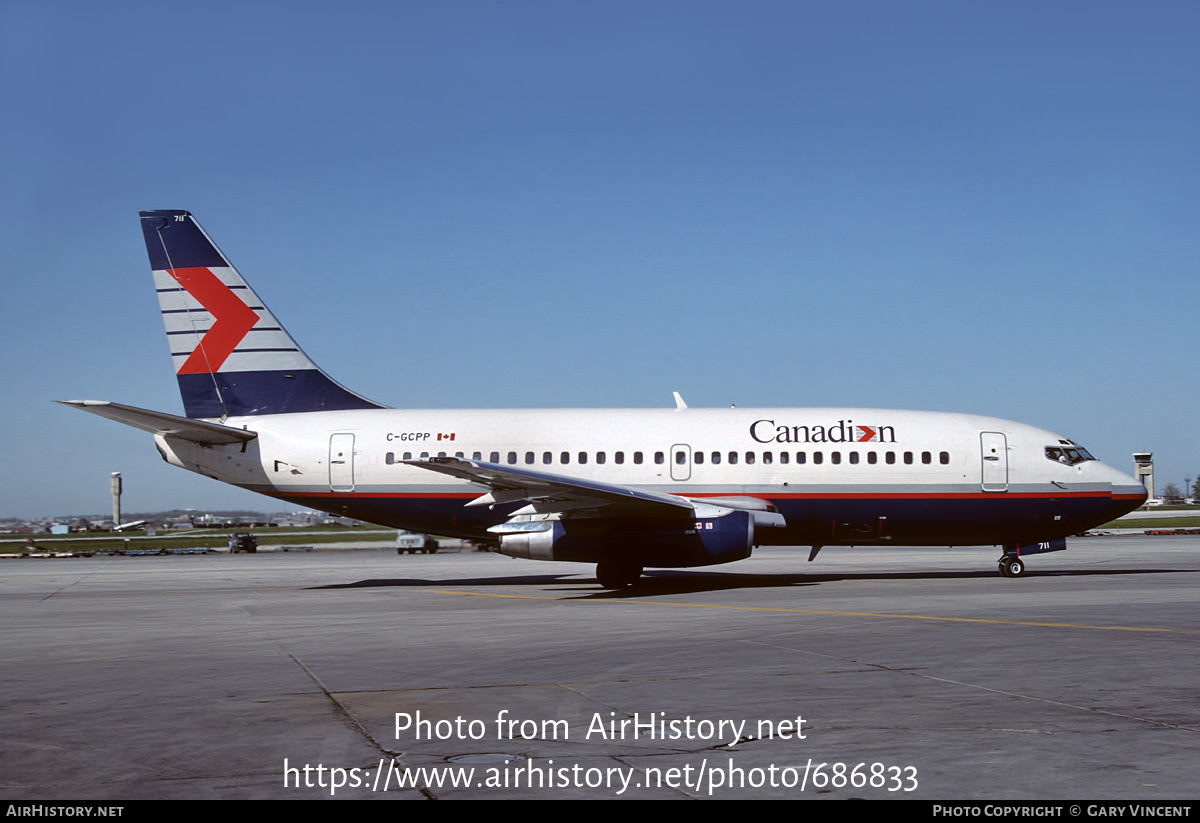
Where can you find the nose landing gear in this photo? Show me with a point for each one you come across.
(1011, 566)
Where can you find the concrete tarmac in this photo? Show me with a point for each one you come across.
(871, 673)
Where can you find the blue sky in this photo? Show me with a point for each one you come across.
(979, 207)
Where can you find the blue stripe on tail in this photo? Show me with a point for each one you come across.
(174, 241)
(241, 393)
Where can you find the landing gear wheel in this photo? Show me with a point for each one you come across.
(1012, 567)
(617, 575)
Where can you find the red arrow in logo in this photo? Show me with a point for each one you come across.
(231, 319)
(868, 434)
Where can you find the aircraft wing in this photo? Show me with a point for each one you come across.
(553, 492)
(197, 431)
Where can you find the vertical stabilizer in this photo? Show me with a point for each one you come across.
(232, 357)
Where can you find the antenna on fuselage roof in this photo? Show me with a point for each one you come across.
(679, 404)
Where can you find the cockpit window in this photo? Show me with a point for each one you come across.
(1071, 455)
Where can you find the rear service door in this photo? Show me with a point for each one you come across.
(341, 463)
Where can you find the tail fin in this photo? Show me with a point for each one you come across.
(231, 355)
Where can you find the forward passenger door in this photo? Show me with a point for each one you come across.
(994, 461)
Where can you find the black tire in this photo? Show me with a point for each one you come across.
(617, 575)
(1016, 567)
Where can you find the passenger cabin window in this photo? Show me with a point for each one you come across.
(716, 458)
(835, 457)
(600, 457)
(637, 458)
(818, 457)
(801, 457)
(582, 458)
(872, 458)
(749, 458)
(926, 458)
(853, 457)
(389, 458)
(783, 457)
(659, 458)
(908, 458)
(476, 455)
(494, 457)
(698, 457)
(944, 458)
(680, 458)
(512, 458)
(564, 458)
(619, 458)
(529, 458)
(408, 455)
(547, 458)
(767, 458)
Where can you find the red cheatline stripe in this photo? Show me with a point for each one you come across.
(364, 495)
(762, 495)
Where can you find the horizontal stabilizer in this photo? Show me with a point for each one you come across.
(197, 431)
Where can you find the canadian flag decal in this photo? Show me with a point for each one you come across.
(232, 319)
(449, 436)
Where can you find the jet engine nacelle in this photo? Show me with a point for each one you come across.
(672, 542)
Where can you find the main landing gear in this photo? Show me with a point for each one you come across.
(617, 575)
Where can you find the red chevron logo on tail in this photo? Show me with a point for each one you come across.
(232, 319)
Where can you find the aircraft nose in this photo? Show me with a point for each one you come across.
(1127, 493)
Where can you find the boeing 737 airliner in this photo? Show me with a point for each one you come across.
(625, 489)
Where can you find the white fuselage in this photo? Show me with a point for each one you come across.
(837, 475)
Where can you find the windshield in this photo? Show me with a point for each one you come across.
(1068, 453)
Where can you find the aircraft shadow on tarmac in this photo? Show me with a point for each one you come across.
(666, 581)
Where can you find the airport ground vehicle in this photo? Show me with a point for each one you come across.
(415, 543)
(243, 542)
